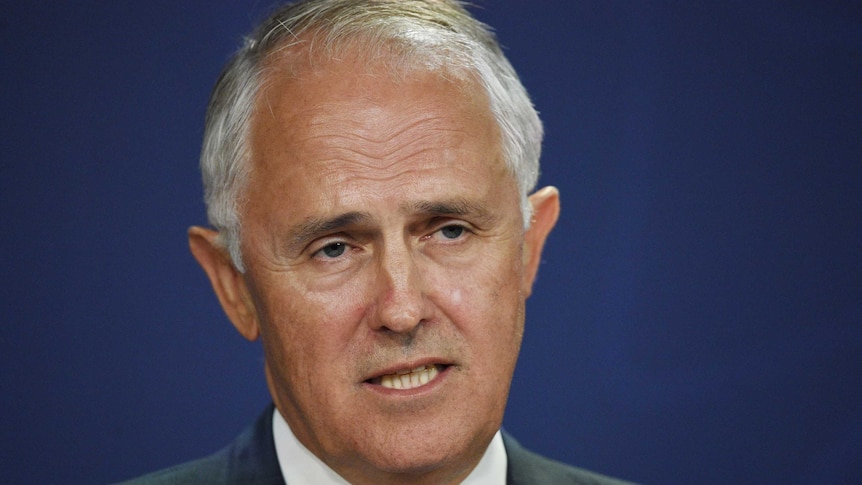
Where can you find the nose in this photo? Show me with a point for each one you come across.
(401, 302)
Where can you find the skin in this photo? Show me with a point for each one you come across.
(382, 232)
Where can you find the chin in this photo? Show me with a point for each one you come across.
(431, 456)
(423, 469)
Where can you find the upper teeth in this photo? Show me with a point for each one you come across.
(408, 379)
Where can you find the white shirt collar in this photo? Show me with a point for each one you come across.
(301, 467)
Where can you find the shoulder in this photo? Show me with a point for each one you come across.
(212, 469)
(527, 468)
(251, 458)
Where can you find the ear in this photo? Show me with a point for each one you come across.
(546, 210)
(228, 283)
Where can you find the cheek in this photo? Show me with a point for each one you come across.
(456, 296)
(483, 299)
(307, 330)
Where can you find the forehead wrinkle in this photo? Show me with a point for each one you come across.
(371, 142)
(424, 128)
(369, 167)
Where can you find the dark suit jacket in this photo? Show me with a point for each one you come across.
(251, 459)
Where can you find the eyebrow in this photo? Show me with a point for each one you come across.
(455, 207)
(313, 228)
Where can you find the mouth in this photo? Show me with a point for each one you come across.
(404, 379)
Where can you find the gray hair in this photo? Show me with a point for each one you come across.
(434, 35)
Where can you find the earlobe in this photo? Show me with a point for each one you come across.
(227, 282)
(546, 210)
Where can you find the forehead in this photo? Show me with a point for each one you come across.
(296, 82)
(302, 77)
(329, 113)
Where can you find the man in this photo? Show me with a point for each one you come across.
(367, 168)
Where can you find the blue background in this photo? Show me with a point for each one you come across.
(698, 318)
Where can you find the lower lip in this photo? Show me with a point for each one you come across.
(442, 374)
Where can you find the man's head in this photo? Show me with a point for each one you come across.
(408, 35)
(366, 166)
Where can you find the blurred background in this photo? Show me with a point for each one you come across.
(698, 317)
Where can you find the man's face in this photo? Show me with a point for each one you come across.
(384, 248)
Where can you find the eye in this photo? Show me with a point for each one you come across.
(333, 250)
(452, 232)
